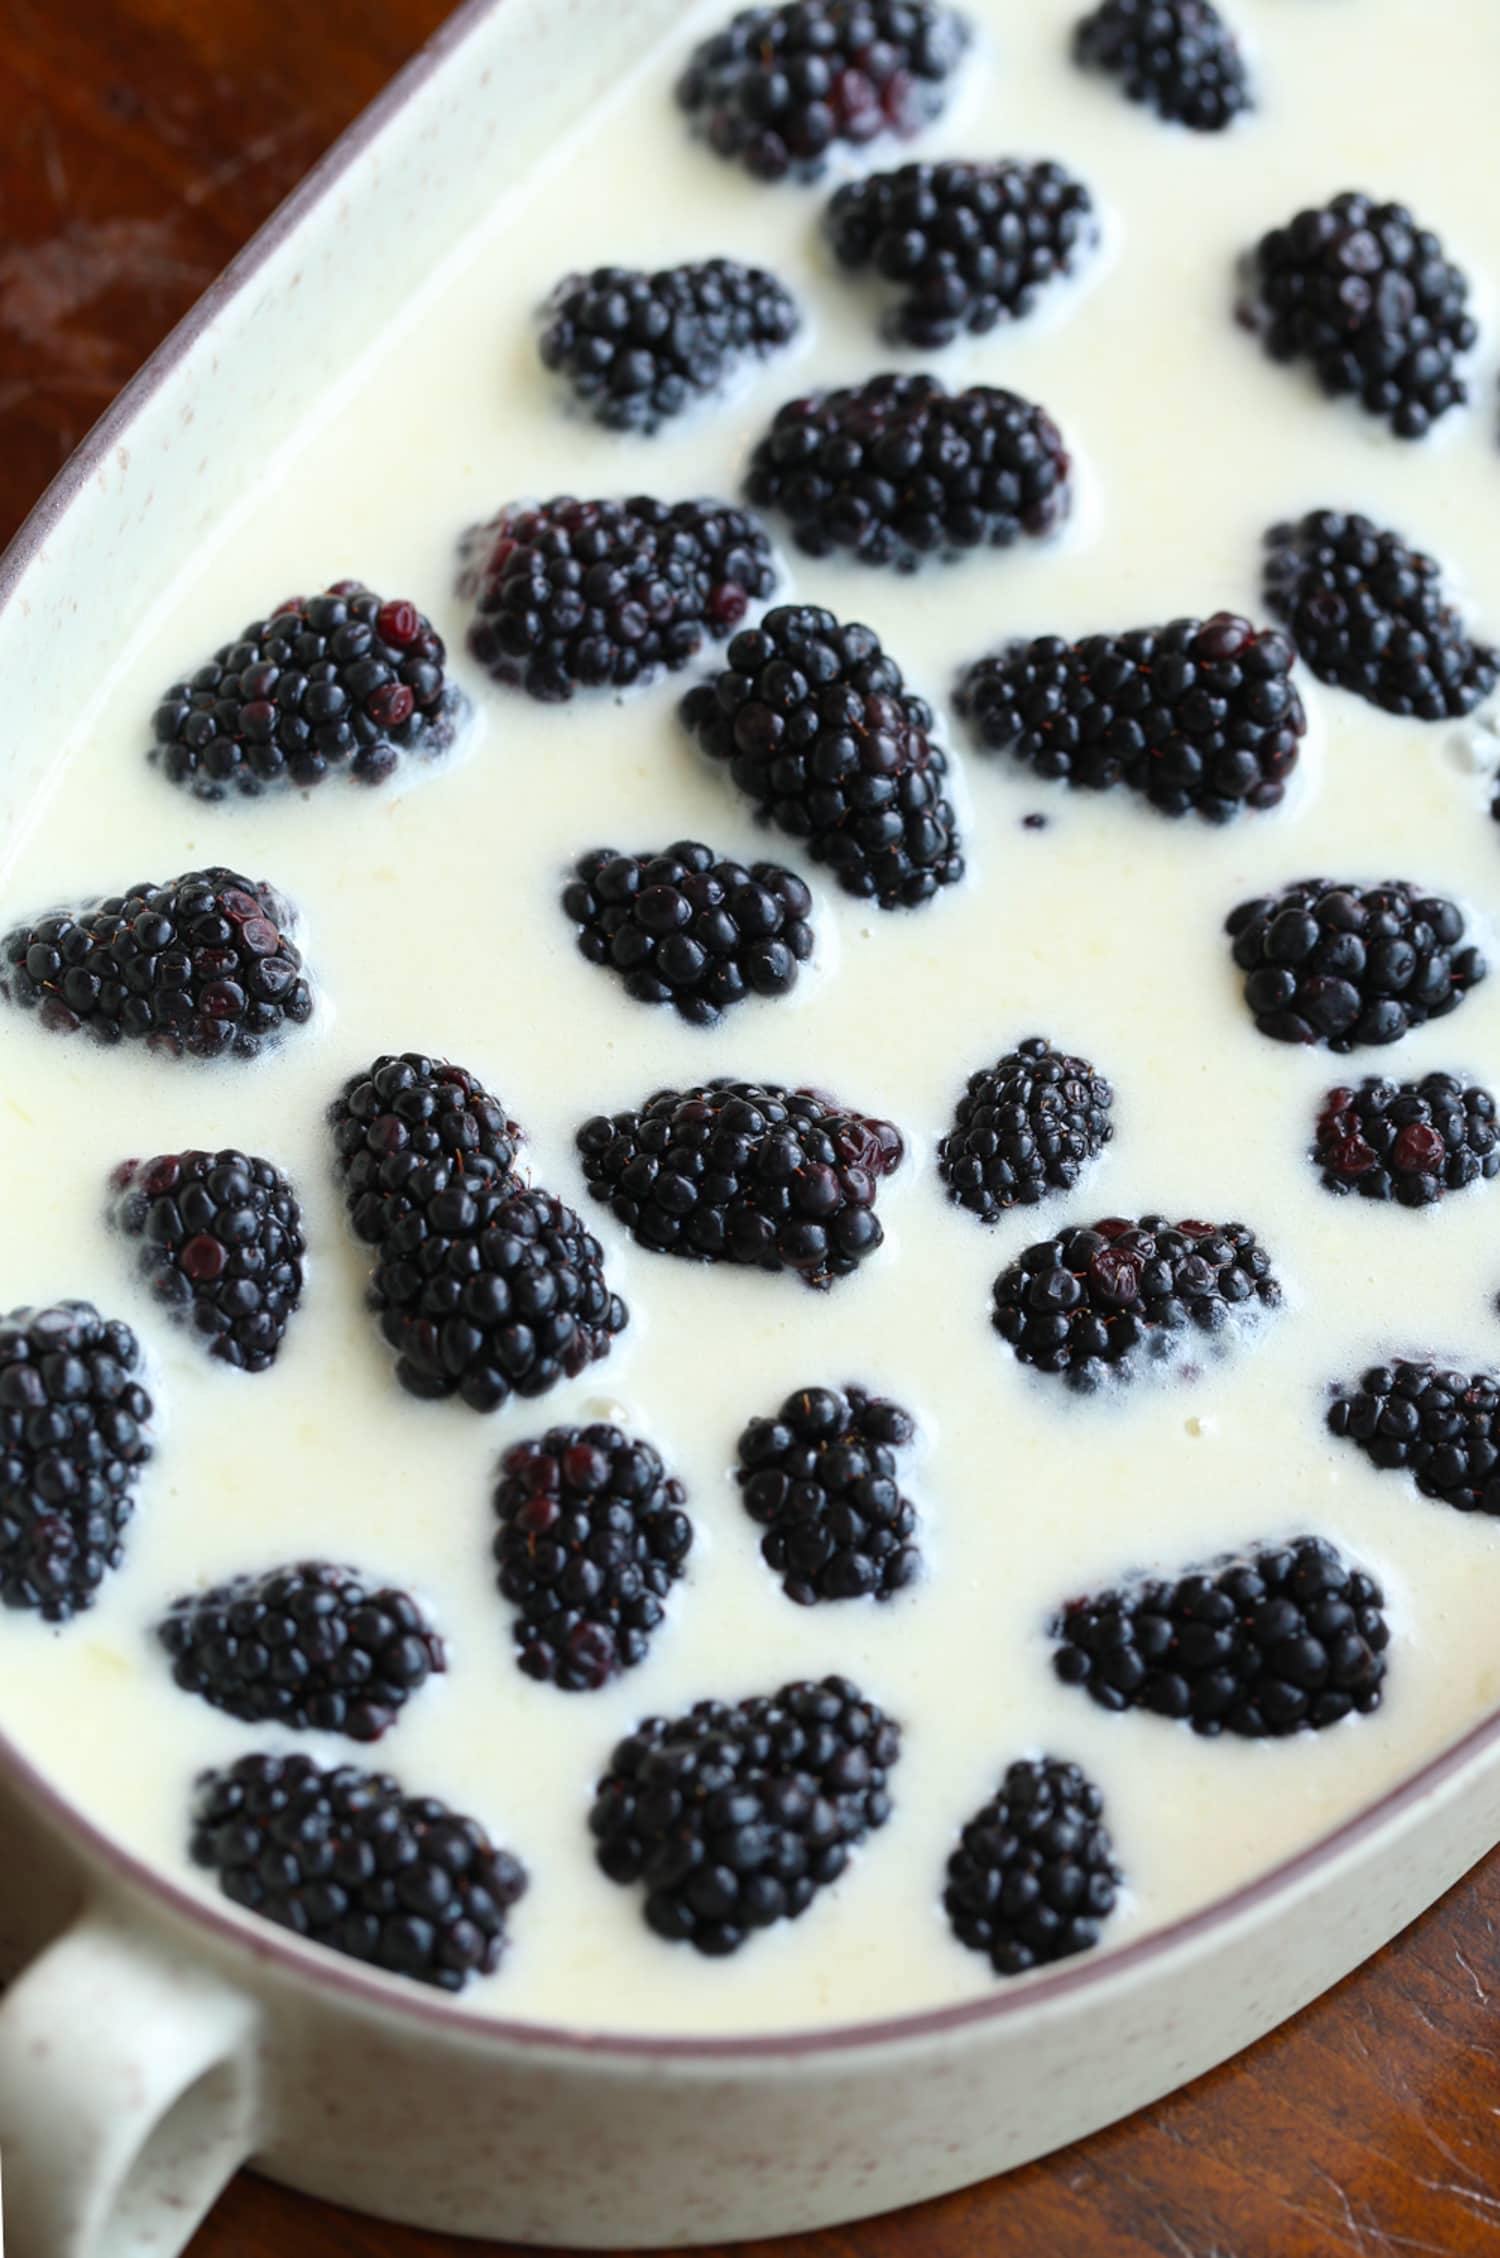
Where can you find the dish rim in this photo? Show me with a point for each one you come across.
(262, 1941)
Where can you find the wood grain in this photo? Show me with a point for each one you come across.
(142, 142)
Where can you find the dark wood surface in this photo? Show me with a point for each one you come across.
(141, 141)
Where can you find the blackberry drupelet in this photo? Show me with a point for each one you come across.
(349, 1861)
(1034, 1872)
(684, 926)
(1369, 297)
(967, 245)
(1025, 1127)
(221, 1247)
(816, 726)
(1441, 1427)
(778, 87)
(486, 1290)
(587, 595)
(1086, 1303)
(1200, 716)
(73, 1439)
(899, 468)
(1290, 1638)
(307, 1647)
(1370, 614)
(746, 1173)
(1342, 964)
(204, 964)
(343, 683)
(735, 1816)
(1407, 1141)
(638, 348)
(821, 1479)
(1180, 56)
(592, 1537)
(410, 1127)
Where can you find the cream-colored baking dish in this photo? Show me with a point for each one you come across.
(158, 2042)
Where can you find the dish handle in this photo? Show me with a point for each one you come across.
(128, 2095)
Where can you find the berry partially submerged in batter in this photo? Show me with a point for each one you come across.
(734, 1816)
(638, 348)
(1289, 1638)
(821, 1478)
(220, 1246)
(410, 1127)
(1343, 964)
(1408, 1141)
(1179, 56)
(1440, 1426)
(684, 926)
(1025, 1127)
(1034, 1874)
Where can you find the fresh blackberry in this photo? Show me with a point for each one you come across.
(73, 1421)
(1025, 1127)
(1290, 1637)
(592, 1538)
(1370, 298)
(968, 246)
(818, 729)
(686, 927)
(1442, 1428)
(1407, 1141)
(1034, 1872)
(342, 683)
(746, 1173)
(1340, 964)
(347, 1860)
(821, 1479)
(586, 595)
(638, 348)
(1093, 1298)
(1370, 614)
(1200, 715)
(220, 1244)
(735, 1816)
(306, 1647)
(1180, 56)
(203, 964)
(899, 468)
(410, 1127)
(778, 87)
(486, 1291)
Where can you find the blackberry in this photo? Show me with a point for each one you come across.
(1200, 715)
(818, 729)
(1370, 614)
(220, 1245)
(408, 1128)
(1341, 964)
(746, 1173)
(967, 245)
(486, 1291)
(1091, 1299)
(1442, 1428)
(821, 1479)
(588, 595)
(687, 927)
(1034, 1873)
(638, 348)
(1371, 299)
(1180, 56)
(1291, 1637)
(338, 684)
(349, 1861)
(899, 468)
(735, 1816)
(778, 87)
(203, 964)
(1025, 1127)
(1407, 1141)
(73, 1439)
(592, 1538)
(305, 1647)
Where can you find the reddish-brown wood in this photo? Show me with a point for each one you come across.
(142, 142)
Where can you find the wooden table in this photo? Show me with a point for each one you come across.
(142, 141)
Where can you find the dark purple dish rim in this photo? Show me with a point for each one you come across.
(262, 1941)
